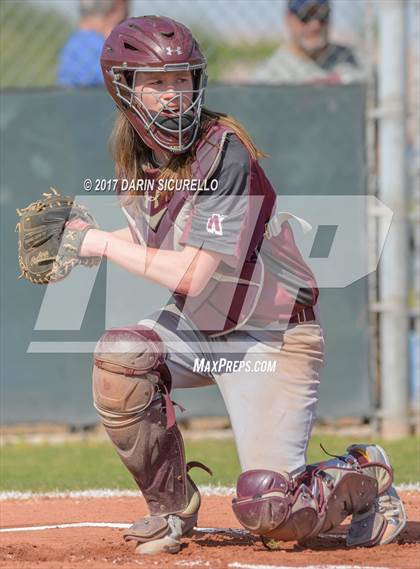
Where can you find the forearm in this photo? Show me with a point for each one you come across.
(124, 234)
(167, 268)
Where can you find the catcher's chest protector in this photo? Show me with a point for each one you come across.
(234, 293)
(161, 223)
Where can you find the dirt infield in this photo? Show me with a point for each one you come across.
(99, 547)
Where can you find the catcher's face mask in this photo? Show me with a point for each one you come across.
(141, 51)
(168, 102)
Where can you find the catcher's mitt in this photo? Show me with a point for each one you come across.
(47, 249)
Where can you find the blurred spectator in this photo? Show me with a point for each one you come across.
(308, 55)
(79, 60)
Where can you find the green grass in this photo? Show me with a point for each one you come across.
(78, 466)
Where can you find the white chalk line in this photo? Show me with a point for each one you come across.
(110, 493)
(205, 490)
(196, 563)
(121, 525)
(239, 565)
(64, 526)
(229, 531)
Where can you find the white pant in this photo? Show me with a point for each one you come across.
(271, 413)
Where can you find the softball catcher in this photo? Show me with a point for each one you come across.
(241, 292)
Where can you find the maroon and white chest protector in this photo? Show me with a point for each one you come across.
(236, 293)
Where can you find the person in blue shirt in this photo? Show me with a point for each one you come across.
(79, 59)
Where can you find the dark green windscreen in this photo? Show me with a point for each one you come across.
(315, 138)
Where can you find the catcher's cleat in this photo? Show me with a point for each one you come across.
(170, 542)
(381, 524)
(386, 518)
(162, 534)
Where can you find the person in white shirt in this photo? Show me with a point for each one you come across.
(309, 56)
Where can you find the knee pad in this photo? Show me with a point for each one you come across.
(132, 350)
(129, 373)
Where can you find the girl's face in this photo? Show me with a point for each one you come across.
(160, 91)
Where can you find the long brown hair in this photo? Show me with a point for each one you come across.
(131, 155)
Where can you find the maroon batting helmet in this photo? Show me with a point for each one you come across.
(151, 44)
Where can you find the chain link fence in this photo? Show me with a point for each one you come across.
(235, 36)
(31, 37)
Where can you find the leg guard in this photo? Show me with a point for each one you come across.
(130, 389)
(280, 507)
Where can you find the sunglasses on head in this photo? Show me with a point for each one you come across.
(319, 13)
